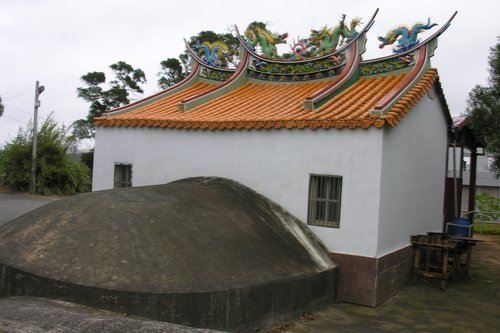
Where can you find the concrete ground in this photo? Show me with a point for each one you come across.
(13, 205)
(467, 305)
(37, 315)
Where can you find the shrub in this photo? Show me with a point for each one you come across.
(489, 205)
(56, 173)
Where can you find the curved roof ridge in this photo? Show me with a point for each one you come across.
(183, 82)
(416, 47)
(240, 73)
(382, 106)
(347, 72)
(411, 97)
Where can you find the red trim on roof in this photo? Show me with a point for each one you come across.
(399, 88)
(239, 71)
(347, 72)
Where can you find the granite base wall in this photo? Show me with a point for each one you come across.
(237, 310)
(371, 281)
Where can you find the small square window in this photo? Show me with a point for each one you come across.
(324, 201)
(123, 175)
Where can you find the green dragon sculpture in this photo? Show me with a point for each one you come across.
(257, 34)
(327, 40)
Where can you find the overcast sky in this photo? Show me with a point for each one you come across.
(57, 41)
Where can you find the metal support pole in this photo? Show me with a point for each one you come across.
(38, 90)
(455, 185)
(472, 184)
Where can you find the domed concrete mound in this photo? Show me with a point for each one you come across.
(206, 252)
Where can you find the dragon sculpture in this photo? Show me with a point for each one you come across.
(257, 34)
(405, 38)
(213, 53)
(327, 39)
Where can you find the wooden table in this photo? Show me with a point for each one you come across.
(441, 256)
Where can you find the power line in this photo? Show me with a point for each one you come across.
(18, 109)
(19, 121)
(22, 93)
(8, 128)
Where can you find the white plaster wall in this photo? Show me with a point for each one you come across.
(413, 175)
(275, 163)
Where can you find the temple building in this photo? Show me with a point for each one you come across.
(354, 148)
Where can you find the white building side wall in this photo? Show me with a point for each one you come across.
(275, 163)
(413, 175)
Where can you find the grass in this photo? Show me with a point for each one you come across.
(487, 228)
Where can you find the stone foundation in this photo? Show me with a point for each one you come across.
(236, 310)
(371, 281)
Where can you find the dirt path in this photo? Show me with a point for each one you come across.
(467, 305)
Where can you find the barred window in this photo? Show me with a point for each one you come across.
(324, 201)
(123, 175)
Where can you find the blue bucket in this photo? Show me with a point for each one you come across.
(461, 227)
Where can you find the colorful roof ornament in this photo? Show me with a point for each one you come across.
(321, 44)
(257, 35)
(212, 52)
(299, 48)
(326, 40)
(406, 38)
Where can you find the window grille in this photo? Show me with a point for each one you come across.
(123, 175)
(324, 201)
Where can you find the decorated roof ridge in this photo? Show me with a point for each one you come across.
(395, 93)
(346, 100)
(414, 47)
(423, 51)
(238, 75)
(203, 63)
(349, 70)
(333, 53)
(162, 93)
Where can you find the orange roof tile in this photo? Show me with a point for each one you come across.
(152, 113)
(278, 105)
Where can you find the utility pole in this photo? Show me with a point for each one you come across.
(38, 91)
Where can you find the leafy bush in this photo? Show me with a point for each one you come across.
(489, 205)
(56, 173)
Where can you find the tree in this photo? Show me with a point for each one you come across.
(171, 73)
(174, 70)
(1, 107)
(122, 90)
(483, 106)
(56, 173)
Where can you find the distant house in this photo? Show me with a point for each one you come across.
(486, 182)
(354, 148)
(470, 173)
